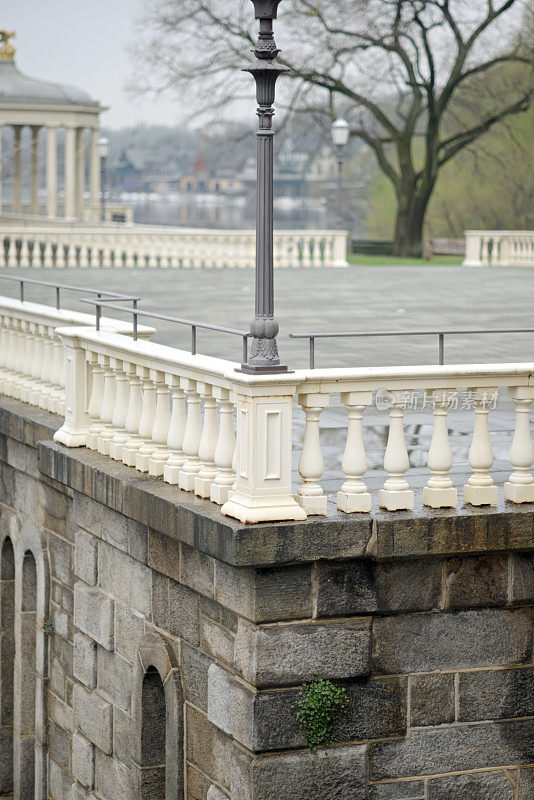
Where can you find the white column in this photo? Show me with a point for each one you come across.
(17, 169)
(51, 171)
(108, 405)
(94, 169)
(160, 429)
(146, 423)
(439, 491)
(480, 489)
(310, 493)
(77, 422)
(133, 412)
(519, 488)
(80, 171)
(396, 494)
(34, 196)
(70, 172)
(354, 495)
(120, 410)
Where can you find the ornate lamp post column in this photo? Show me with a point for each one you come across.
(263, 357)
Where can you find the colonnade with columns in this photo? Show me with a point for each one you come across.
(77, 148)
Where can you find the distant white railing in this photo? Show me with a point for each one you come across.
(144, 246)
(499, 249)
(211, 430)
(32, 357)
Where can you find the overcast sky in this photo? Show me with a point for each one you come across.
(84, 42)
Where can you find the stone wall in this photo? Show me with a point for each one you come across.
(159, 645)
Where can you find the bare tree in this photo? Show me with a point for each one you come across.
(401, 71)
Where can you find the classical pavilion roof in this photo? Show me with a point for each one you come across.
(16, 87)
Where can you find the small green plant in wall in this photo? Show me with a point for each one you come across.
(319, 705)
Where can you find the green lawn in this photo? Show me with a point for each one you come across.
(391, 261)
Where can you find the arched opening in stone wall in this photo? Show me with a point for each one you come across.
(153, 735)
(25, 669)
(7, 664)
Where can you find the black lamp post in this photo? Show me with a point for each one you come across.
(340, 137)
(102, 148)
(263, 357)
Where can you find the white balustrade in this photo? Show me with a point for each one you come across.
(146, 246)
(170, 413)
(499, 249)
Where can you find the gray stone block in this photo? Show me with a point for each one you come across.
(409, 790)
(197, 570)
(463, 640)
(217, 641)
(115, 678)
(184, 613)
(83, 761)
(163, 554)
(290, 654)
(337, 774)
(195, 666)
(87, 513)
(521, 577)
(93, 717)
(115, 529)
(476, 581)
(129, 630)
(86, 557)
(432, 699)
(160, 601)
(93, 614)
(214, 793)
(499, 694)
(138, 541)
(231, 705)
(122, 736)
(126, 579)
(265, 595)
(208, 748)
(526, 784)
(61, 559)
(113, 778)
(362, 587)
(481, 786)
(431, 751)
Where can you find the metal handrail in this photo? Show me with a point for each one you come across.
(440, 333)
(193, 324)
(68, 288)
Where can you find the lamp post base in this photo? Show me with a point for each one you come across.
(262, 369)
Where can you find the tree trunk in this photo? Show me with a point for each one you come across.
(409, 222)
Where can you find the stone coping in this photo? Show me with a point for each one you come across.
(199, 523)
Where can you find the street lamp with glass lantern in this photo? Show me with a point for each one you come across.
(263, 357)
(102, 149)
(340, 137)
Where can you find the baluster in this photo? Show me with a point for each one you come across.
(225, 449)
(38, 355)
(108, 406)
(46, 370)
(133, 445)
(58, 358)
(95, 399)
(133, 415)
(396, 494)
(310, 493)
(480, 489)
(160, 431)
(353, 495)
(120, 409)
(439, 491)
(146, 423)
(519, 488)
(192, 434)
(23, 389)
(175, 439)
(208, 442)
(48, 259)
(24, 254)
(18, 377)
(12, 349)
(4, 336)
